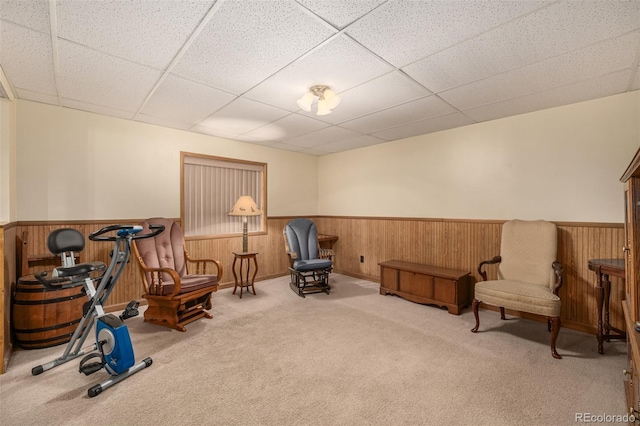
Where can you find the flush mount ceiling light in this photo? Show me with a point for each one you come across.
(327, 100)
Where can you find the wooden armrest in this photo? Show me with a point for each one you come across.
(156, 275)
(326, 253)
(201, 266)
(483, 274)
(292, 257)
(558, 269)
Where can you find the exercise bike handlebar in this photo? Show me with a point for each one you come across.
(124, 231)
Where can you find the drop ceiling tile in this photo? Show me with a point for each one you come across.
(36, 96)
(583, 64)
(247, 41)
(384, 92)
(288, 127)
(420, 109)
(404, 31)
(636, 80)
(252, 139)
(243, 115)
(32, 14)
(550, 31)
(280, 145)
(99, 79)
(340, 13)
(314, 152)
(128, 30)
(353, 143)
(323, 136)
(256, 141)
(185, 101)
(425, 126)
(607, 85)
(165, 122)
(98, 109)
(26, 58)
(213, 132)
(340, 64)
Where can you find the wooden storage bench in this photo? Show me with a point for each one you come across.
(426, 284)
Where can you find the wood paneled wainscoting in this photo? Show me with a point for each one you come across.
(454, 244)
(272, 259)
(7, 284)
(463, 244)
(270, 246)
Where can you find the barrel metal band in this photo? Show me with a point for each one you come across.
(59, 339)
(46, 301)
(53, 327)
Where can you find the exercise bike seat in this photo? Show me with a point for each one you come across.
(80, 269)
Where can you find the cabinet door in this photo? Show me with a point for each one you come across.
(633, 249)
(627, 244)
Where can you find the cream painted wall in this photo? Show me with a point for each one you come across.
(73, 165)
(7, 161)
(561, 164)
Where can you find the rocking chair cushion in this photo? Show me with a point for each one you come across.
(311, 264)
(519, 296)
(190, 283)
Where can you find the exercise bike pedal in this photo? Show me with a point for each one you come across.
(92, 367)
(130, 311)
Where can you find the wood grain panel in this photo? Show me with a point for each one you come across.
(459, 244)
(455, 244)
(7, 284)
(272, 260)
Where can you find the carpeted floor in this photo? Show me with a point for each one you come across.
(353, 357)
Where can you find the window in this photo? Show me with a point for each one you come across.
(210, 188)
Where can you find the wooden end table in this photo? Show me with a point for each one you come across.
(241, 277)
(603, 269)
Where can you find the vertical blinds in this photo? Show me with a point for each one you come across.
(211, 188)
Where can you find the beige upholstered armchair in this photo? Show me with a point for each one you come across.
(529, 276)
(177, 295)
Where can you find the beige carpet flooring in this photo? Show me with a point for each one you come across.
(353, 357)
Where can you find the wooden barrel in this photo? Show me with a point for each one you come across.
(44, 317)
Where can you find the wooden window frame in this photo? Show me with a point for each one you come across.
(184, 156)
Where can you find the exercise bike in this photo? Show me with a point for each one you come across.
(113, 343)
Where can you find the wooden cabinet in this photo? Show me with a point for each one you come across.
(631, 304)
(426, 284)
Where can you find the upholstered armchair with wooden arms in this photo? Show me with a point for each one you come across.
(309, 265)
(178, 289)
(529, 276)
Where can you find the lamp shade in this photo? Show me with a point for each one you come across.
(323, 109)
(245, 206)
(332, 99)
(305, 101)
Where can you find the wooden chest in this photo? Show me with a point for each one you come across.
(430, 285)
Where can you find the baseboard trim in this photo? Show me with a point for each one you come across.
(231, 284)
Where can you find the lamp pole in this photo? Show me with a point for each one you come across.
(245, 236)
